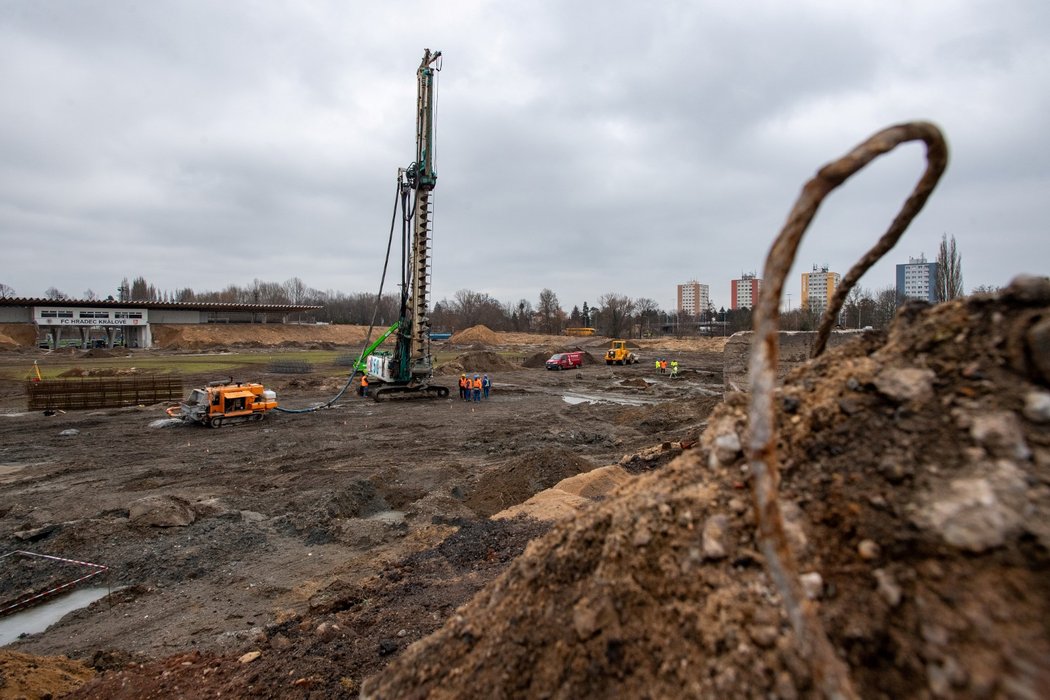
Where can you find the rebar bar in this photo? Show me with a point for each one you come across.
(830, 673)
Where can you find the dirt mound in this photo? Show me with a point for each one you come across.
(26, 676)
(259, 335)
(15, 336)
(99, 372)
(539, 359)
(476, 362)
(477, 335)
(914, 491)
(516, 481)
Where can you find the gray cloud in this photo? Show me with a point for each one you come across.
(584, 147)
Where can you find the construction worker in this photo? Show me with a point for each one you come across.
(363, 391)
(657, 364)
(663, 366)
(674, 368)
(463, 387)
(477, 388)
(485, 385)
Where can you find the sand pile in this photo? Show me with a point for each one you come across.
(915, 473)
(515, 481)
(477, 335)
(220, 335)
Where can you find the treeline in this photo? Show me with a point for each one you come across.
(614, 315)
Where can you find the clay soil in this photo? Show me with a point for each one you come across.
(328, 542)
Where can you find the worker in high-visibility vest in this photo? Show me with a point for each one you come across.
(463, 387)
(486, 384)
(657, 365)
(674, 368)
(477, 388)
(363, 391)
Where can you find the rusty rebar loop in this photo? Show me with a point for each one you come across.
(936, 162)
(830, 674)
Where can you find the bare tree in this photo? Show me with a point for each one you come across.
(550, 312)
(985, 289)
(949, 270)
(6, 292)
(55, 293)
(648, 312)
(615, 314)
(90, 295)
(295, 290)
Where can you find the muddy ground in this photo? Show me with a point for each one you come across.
(327, 541)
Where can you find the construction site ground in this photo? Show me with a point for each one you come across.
(327, 541)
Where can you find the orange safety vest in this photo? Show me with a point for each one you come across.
(463, 382)
(477, 384)
(364, 380)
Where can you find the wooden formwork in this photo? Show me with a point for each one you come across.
(102, 392)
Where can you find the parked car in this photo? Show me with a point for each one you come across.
(565, 360)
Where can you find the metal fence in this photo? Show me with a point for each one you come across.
(102, 392)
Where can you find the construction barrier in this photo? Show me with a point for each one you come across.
(102, 392)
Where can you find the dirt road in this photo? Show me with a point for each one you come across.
(290, 513)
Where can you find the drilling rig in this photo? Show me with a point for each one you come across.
(406, 373)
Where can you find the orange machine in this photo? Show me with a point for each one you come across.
(221, 402)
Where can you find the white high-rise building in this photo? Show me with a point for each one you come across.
(693, 298)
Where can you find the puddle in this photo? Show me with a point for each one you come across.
(576, 399)
(390, 517)
(38, 618)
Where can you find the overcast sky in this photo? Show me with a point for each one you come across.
(588, 147)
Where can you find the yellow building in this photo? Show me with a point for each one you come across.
(818, 287)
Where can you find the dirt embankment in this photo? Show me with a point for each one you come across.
(916, 494)
(207, 336)
(17, 335)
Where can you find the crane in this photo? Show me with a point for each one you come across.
(406, 373)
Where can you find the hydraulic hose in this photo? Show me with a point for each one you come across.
(371, 326)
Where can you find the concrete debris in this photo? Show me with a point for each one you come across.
(971, 515)
(727, 448)
(905, 383)
(70, 432)
(714, 537)
(812, 585)
(888, 588)
(1000, 434)
(1037, 406)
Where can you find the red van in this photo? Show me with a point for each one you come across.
(565, 360)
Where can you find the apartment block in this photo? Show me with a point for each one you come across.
(818, 287)
(917, 279)
(693, 298)
(744, 291)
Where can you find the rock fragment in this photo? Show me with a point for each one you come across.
(161, 511)
(903, 384)
(812, 585)
(1037, 406)
(888, 587)
(1000, 434)
(714, 537)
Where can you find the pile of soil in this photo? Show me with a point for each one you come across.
(476, 362)
(15, 336)
(223, 335)
(99, 372)
(539, 359)
(476, 335)
(27, 676)
(513, 482)
(915, 488)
